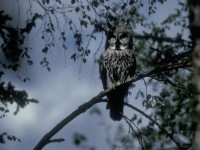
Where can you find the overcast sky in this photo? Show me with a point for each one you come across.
(60, 92)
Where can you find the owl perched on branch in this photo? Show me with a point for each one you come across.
(116, 64)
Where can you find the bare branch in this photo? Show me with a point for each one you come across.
(56, 140)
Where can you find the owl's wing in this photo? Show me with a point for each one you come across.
(133, 65)
(103, 72)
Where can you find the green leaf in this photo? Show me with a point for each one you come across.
(77, 9)
(131, 2)
(49, 69)
(123, 6)
(148, 96)
(84, 60)
(59, 1)
(87, 52)
(73, 1)
(74, 56)
(45, 50)
(95, 3)
(79, 138)
(83, 22)
(88, 8)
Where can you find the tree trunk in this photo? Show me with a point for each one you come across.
(194, 17)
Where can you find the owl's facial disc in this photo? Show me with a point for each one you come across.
(119, 41)
(118, 45)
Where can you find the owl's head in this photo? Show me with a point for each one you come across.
(119, 38)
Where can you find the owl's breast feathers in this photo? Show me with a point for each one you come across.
(116, 66)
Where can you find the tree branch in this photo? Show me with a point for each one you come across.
(81, 109)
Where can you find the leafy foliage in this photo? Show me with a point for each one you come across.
(13, 50)
(8, 94)
(12, 54)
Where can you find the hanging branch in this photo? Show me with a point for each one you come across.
(81, 109)
(139, 137)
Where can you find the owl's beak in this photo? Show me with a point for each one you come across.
(117, 44)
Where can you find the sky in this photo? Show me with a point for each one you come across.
(61, 91)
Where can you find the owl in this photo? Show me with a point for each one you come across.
(116, 64)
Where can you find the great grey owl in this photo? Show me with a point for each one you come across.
(116, 64)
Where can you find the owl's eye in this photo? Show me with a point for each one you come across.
(113, 36)
(124, 35)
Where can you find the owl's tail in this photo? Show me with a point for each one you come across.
(116, 103)
(116, 108)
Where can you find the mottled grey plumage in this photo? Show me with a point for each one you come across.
(116, 64)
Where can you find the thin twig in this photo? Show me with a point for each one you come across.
(138, 135)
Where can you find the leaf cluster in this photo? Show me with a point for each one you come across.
(8, 137)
